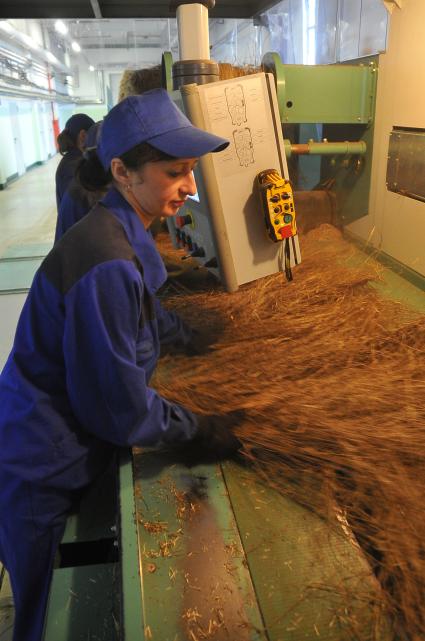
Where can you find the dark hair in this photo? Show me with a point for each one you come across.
(92, 176)
(65, 142)
(139, 155)
(79, 194)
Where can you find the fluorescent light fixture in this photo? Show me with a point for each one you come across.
(28, 41)
(61, 27)
(75, 46)
(91, 68)
(6, 26)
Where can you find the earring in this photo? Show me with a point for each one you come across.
(128, 187)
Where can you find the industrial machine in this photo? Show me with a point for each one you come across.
(223, 225)
(337, 100)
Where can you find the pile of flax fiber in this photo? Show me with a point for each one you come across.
(331, 377)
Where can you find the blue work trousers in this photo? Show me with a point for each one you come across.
(32, 522)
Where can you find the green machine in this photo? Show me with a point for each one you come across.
(340, 99)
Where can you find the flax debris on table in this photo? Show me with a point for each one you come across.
(330, 374)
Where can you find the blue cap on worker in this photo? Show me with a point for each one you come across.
(92, 137)
(153, 118)
(76, 123)
(90, 143)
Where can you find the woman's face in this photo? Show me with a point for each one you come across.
(160, 188)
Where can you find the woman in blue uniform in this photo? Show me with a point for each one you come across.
(71, 143)
(76, 384)
(77, 201)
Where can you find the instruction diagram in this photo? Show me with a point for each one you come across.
(236, 104)
(244, 147)
(240, 110)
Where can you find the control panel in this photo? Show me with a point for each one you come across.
(277, 202)
(222, 226)
(191, 230)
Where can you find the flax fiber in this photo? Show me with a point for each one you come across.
(331, 376)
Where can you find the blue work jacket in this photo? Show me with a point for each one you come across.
(73, 207)
(65, 173)
(76, 383)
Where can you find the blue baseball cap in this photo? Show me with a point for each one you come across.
(93, 136)
(153, 118)
(76, 123)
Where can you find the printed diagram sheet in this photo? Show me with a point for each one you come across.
(239, 110)
(243, 145)
(242, 138)
(235, 99)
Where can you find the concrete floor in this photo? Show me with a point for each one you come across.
(27, 227)
(28, 208)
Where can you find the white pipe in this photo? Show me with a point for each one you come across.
(194, 41)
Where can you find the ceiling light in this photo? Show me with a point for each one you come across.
(6, 26)
(75, 46)
(28, 41)
(61, 27)
(91, 68)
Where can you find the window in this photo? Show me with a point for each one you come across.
(309, 31)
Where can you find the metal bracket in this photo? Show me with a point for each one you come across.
(167, 70)
(390, 4)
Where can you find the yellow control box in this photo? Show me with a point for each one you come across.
(277, 202)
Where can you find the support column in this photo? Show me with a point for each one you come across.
(192, 23)
(194, 65)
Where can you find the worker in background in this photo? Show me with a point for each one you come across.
(75, 387)
(71, 143)
(133, 83)
(136, 81)
(77, 201)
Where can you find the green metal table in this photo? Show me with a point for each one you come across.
(211, 552)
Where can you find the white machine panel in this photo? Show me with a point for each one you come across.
(244, 110)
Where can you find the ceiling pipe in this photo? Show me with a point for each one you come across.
(9, 34)
(13, 92)
(96, 9)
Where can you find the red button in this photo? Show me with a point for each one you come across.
(181, 221)
(285, 232)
